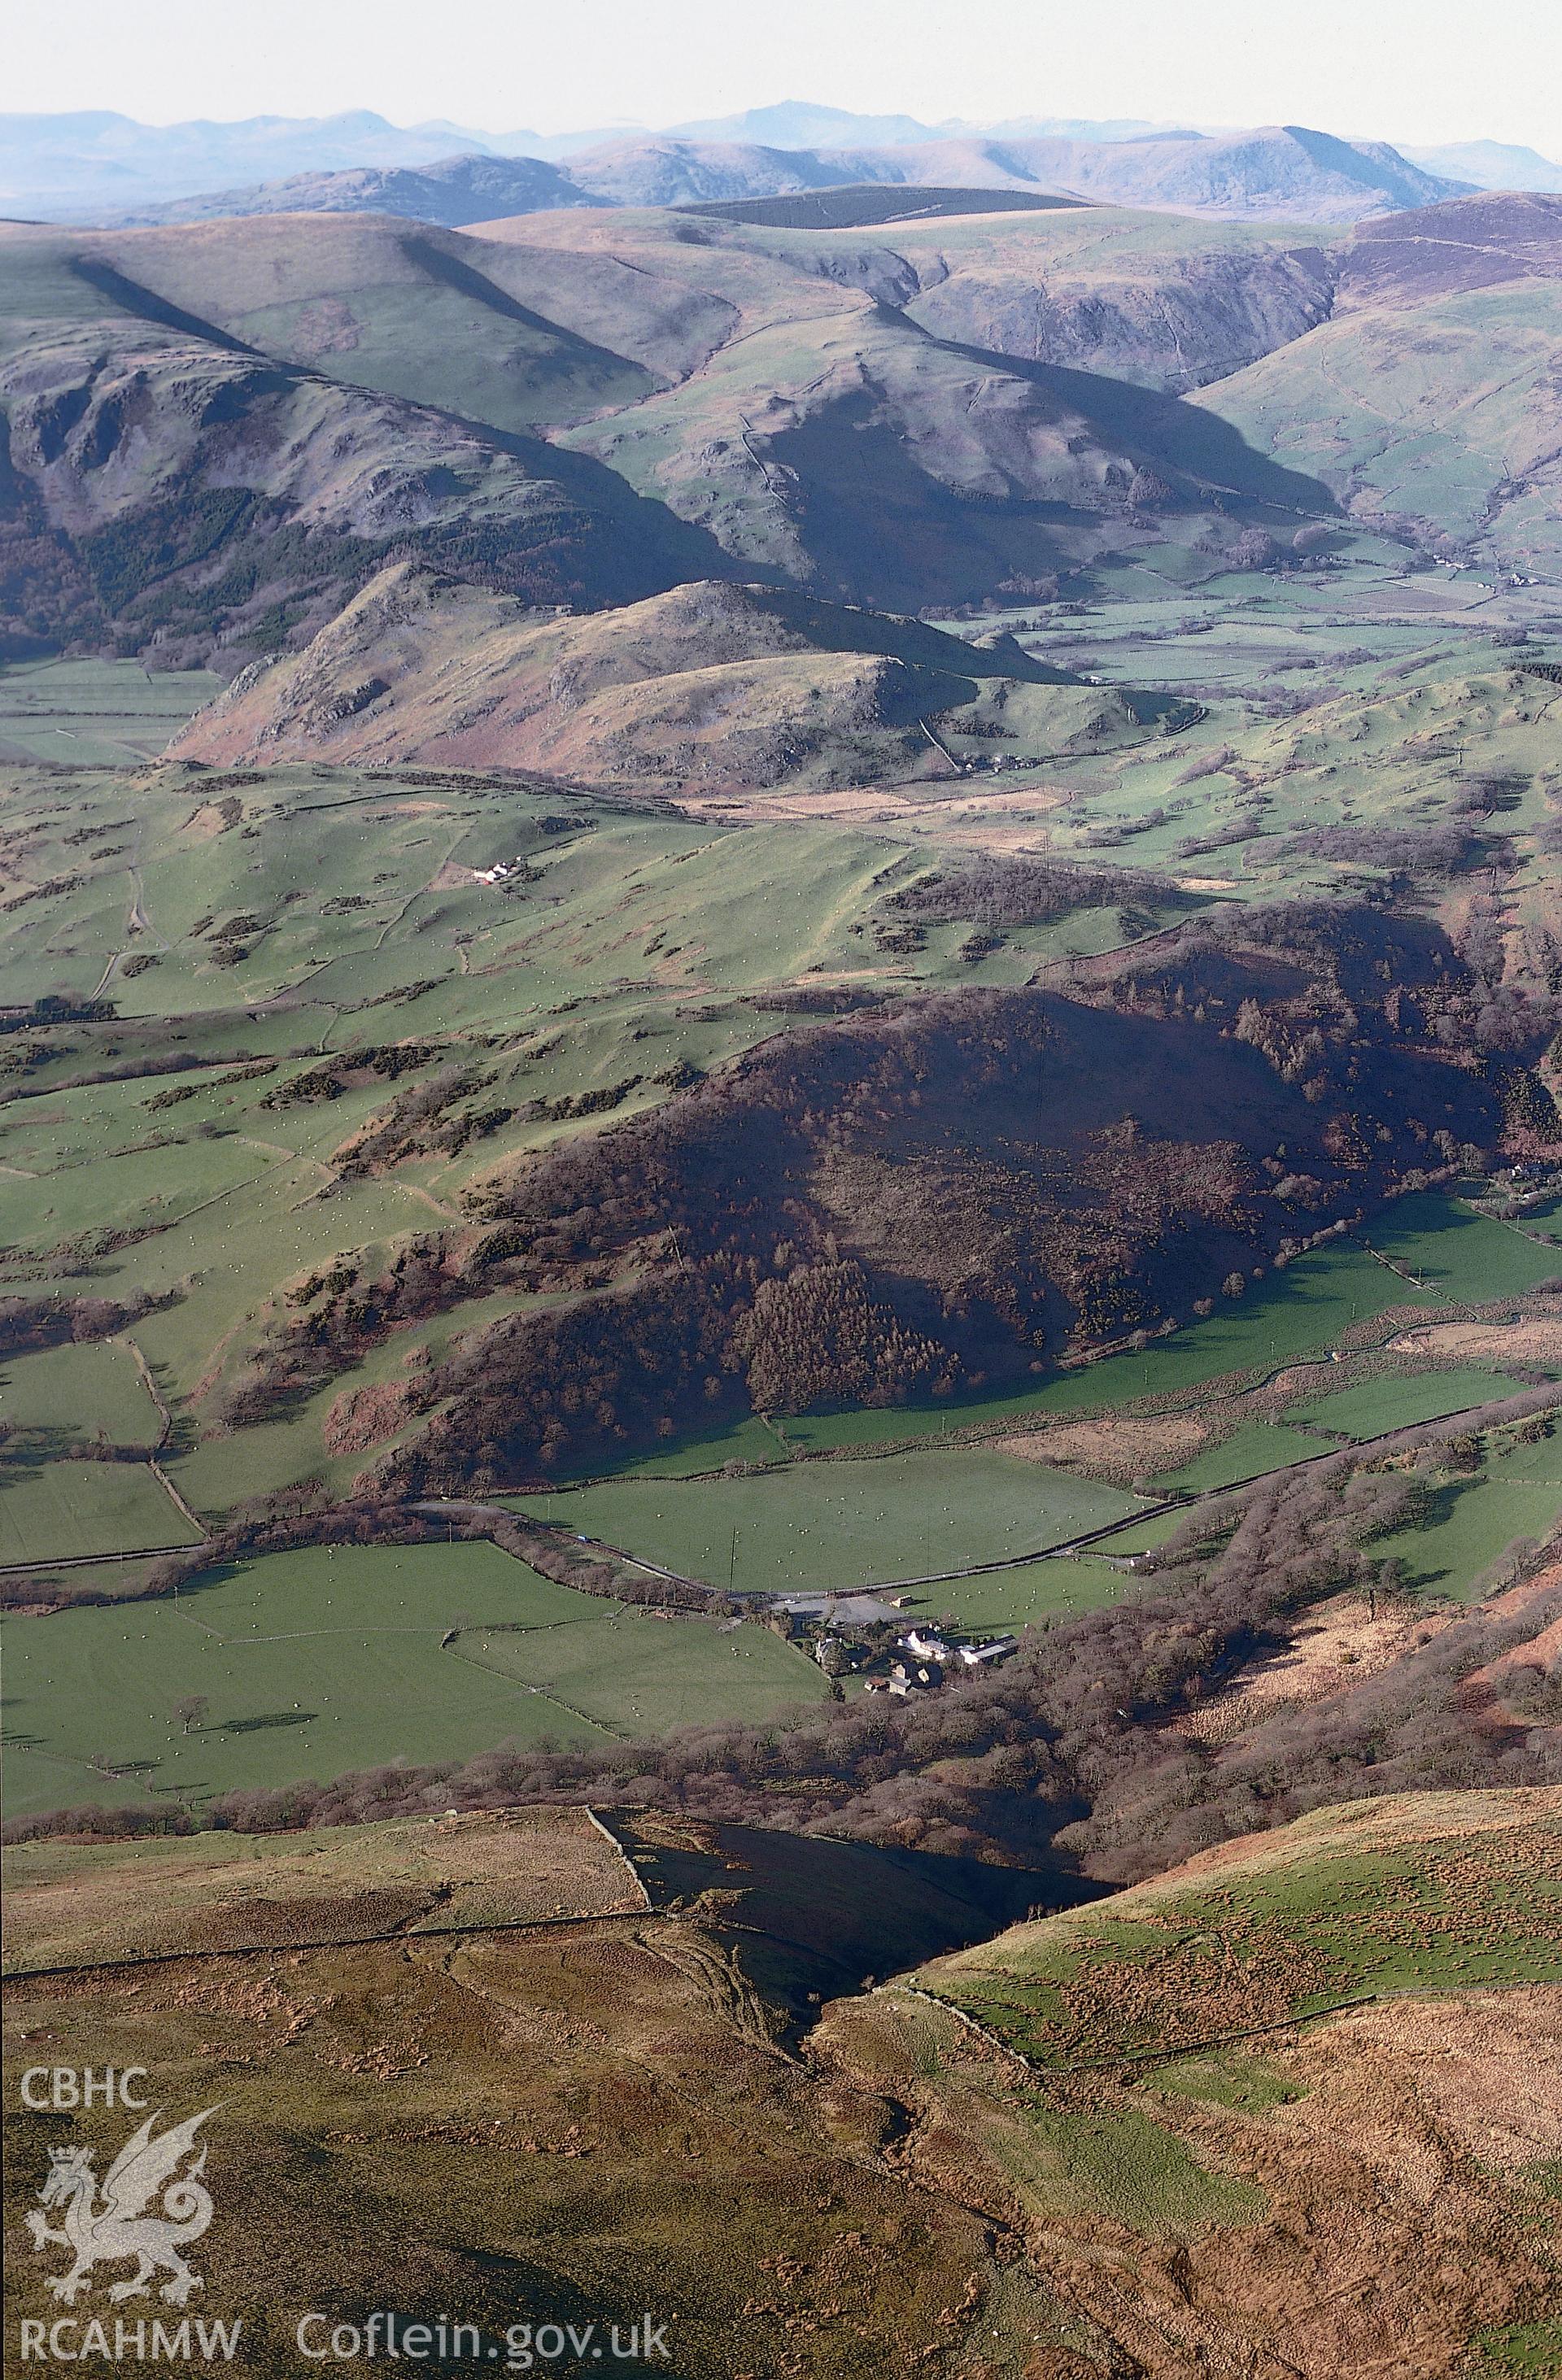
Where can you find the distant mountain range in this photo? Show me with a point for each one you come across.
(60, 165)
(453, 191)
(1491, 165)
(100, 166)
(1283, 174)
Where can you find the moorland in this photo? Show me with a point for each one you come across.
(557, 2020)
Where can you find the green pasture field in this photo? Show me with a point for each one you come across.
(117, 1578)
(77, 1391)
(262, 1219)
(1455, 1253)
(51, 1511)
(750, 1441)
(1375, 1407)
(635, 1673)
(1250, 1452)
(1137, 1538)
(1229, 2078)
(330, 1659)
(1033, 1595)
(239, 1251)
(838, 1524)
(1231, 638)
(161, 1182)
(1123, 2164)
(1473, 1519)
(632, 923)
(1395, 719)
(252, 1461)
(95, 713)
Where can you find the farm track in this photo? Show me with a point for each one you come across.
(144, 1372)
(93, 1561)
(176, 1497)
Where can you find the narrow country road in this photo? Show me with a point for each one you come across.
(454, 1508)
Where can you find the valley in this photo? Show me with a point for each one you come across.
(781, 1268)
(609, 2021)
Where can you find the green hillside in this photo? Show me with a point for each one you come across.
(1434, 1892)
(325, 929)
(1443, 415)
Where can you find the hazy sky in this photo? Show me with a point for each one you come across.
(1416, 70)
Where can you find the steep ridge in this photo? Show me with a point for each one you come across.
(836, 441)
(400, 307)
(167, 483)
(1167, 302)
(1281, 172)
(763, 405)
(723, 687)
(981, 407)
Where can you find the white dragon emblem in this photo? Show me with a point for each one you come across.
(120, 2228)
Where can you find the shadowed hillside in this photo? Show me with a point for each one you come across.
(167, 482)
(402, 308)
(843, 446)
(340, 389)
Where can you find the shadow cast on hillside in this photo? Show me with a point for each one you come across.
(1170, 431)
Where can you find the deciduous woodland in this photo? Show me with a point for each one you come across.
(960, 1191)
